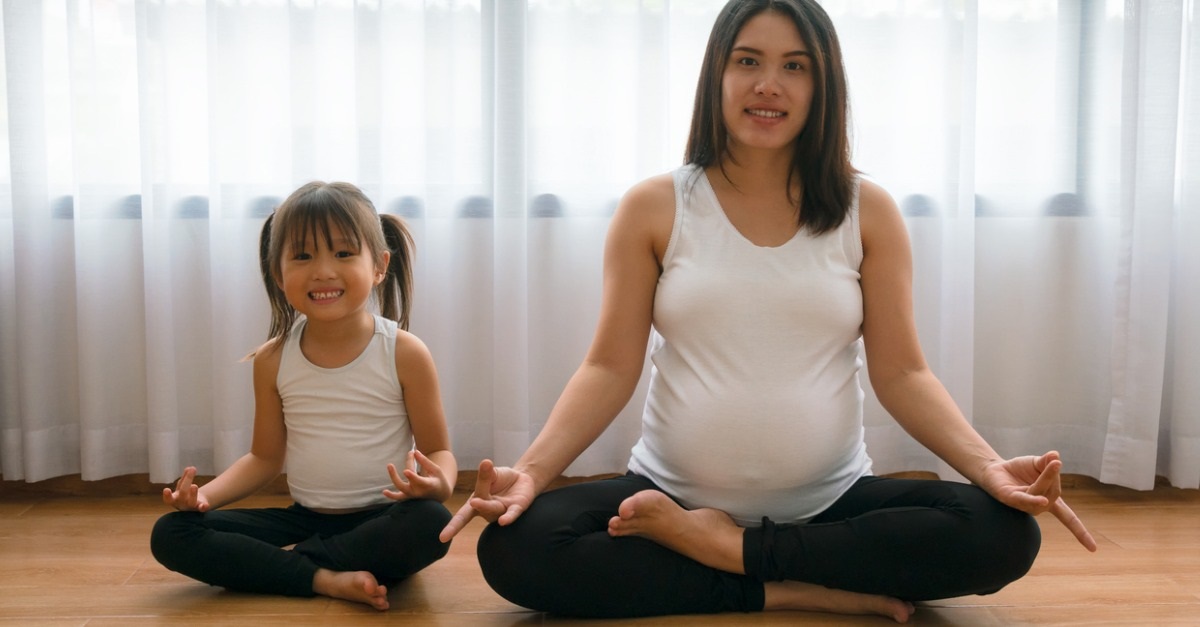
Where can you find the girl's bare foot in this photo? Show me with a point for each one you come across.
(359, 586)
(794, 595)
(708, 536)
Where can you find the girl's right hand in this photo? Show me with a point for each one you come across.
(501, 495)
(186, 496)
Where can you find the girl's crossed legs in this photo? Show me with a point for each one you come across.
(240, 549)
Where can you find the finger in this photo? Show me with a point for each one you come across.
(395, 476)
(410, 461)
(187, 478)
(483, 483)
(419, 485)
(403, 491)
(168, 496)
(1048, 483)
(1044, 460)
(513, 512)
(413, 477)
(428, 467)
(457, 522)
(1026, 502)
(394, 495)
(403, 488)
(1072, 522)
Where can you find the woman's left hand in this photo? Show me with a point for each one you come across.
(427, 483)
(1033, 484)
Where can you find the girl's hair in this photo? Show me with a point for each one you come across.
(315, 210)
(821, 155)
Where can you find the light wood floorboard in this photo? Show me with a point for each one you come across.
(82, 559)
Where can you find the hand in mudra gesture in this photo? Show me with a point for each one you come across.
(1032, 484)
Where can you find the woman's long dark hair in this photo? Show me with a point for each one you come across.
(314, 210)
(821, 157)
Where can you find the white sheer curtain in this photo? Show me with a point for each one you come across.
(1046, 153)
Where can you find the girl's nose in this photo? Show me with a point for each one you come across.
(323, 268)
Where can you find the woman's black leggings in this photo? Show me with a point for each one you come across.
(916, 540)
(240, 549)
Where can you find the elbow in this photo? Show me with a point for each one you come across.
(621, 375)
(269, 466)
(893, 384)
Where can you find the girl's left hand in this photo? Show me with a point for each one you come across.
(427, 483)
(1032, 484)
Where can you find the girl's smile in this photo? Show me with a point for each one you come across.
(329, 279)
(326, 296)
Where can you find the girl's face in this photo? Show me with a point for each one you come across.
(329, 284)
(767, 86)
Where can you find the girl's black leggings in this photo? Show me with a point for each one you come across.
(916, 540)
(240, 549)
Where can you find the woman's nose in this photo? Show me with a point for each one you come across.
(768, 84)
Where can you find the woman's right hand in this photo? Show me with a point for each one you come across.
(501, 495)
(186, 496)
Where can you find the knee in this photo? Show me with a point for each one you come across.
(505, 561)
(1006, 539)
(423, 516)
(170, 534)
(1009, 547)
(423, 521)
(1023, 539)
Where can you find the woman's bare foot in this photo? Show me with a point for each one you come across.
(708, 536)
(795, 595)
(359, 586)
(711, 537)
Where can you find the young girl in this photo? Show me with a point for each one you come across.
(343, 395)
(757, 269)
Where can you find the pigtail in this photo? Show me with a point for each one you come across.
(395, 292)
(282, 313)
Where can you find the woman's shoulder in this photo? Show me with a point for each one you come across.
(872, 197)
(656, 193)
(875, 204)
(878, 215)
(646, 214)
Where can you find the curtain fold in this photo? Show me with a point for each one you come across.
(1150, 125)
(1045, 154)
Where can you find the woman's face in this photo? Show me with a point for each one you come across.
(767, 86)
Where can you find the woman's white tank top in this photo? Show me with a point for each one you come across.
(754, 406)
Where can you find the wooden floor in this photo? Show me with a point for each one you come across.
(83, 559)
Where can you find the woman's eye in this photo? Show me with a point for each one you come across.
(747, 61)
(794, 66)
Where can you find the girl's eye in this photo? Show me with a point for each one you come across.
(344, 254)
(301, 256)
